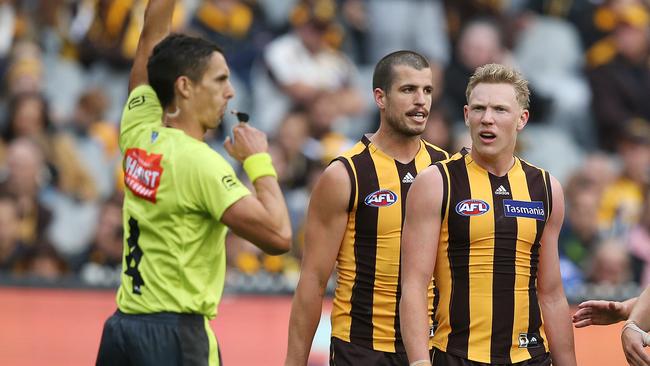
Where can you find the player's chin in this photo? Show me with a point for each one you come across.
(413, 130)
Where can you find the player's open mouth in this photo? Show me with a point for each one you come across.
(418, 116)
(487, 136)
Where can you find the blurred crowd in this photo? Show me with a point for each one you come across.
(303, 68)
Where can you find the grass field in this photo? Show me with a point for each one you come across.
(63, 327)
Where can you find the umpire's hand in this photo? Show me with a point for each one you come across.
(247, 141)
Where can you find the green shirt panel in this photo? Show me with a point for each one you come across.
(177, 189)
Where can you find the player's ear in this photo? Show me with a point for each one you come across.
(523, 120)
(380, 97)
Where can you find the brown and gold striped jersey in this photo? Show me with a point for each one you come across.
(486, 266)
(365, 309)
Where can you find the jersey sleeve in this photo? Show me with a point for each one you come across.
(216, 186)
(141, 110)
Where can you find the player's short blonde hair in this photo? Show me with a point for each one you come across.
(500, 74)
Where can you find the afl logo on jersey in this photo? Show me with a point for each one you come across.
(472, 207)
(381, 198)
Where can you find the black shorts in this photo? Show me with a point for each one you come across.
(158, 339)
(348, 354)
(446, 359)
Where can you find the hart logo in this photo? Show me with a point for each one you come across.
(472, 207)
(142, 173)
(381, 198)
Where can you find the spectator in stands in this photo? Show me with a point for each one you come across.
(25, 71)
(480, 43)
(610, 264)
(71, 194)
(622, 199)
(12, 250)
(43, 262)
(95, 140)
(7, 31)
(28, 116)
(556, 70)
(307, 71)
(462, 12)
(112, 33)
(290, 140)
(639, 244)
(101, 263)
(580, 233)
(600, 20)
(25, 175)
(238, 27)
(438, 129)
(621, 85)
(599, 169)
(387, 31)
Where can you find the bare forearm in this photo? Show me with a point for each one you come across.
(557, 325)
(158, 19)
(305, 315)
(157, 25)
(414, 323)
(627, 307)
(641, 309)
(270, 196)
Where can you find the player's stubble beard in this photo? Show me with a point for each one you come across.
(401, 127)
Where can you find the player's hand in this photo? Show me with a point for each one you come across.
(598, 312)
(248, 140)
(633, 348)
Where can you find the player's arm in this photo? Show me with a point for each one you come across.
(157, 25)
(632, 339)
(419, 247)
(262, 219)
(326, 221)
(555, 308)
(602, 312)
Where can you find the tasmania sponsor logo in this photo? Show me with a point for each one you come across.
(142, 173)
(472, 207)
(531, 210)
(381, 198)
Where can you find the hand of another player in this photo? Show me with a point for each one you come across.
(248, 140)
(598, 312)
(633, 348)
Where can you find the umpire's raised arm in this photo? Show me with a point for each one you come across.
(157, 25)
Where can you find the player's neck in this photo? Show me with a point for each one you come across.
(399, 147)
(498, 165)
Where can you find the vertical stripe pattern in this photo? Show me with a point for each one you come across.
(458, 254)
(402, 170)
(486, 271)
(365, 252)
(538, 192)
(366, 304)
(481, 256)
(503, 289)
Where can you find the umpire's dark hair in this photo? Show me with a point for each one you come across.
(175, 56)
(383, 76)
